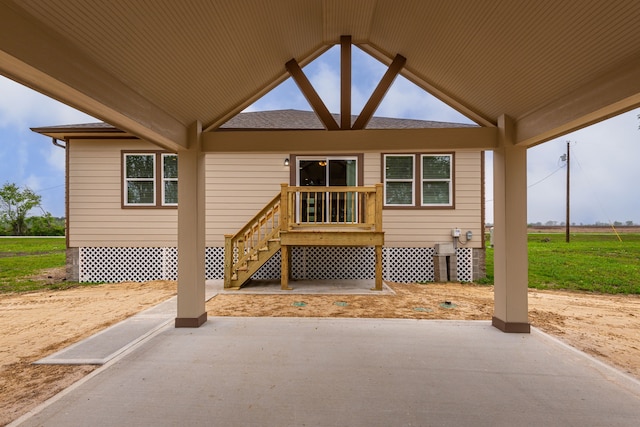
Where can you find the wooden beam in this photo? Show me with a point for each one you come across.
(430, 87)
(338, 238)
(613, 93)
(379, 92)
(345, 82)
(366, 140)
(312, 96)
(268, 87)
(37, 57)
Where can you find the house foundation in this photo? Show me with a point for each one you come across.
(72, 269)
(402, 265)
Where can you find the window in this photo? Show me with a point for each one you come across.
(150, 179)
(326, 171)
(399, 180)
(436, 180)
(169, 179)
(418, 180)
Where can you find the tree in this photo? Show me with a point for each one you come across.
(45, 225)
(15, 203)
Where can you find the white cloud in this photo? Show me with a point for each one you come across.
(56, 158)
(407, 100)
(325, 79)
(24, 108)
(284, 96)
(33, 182)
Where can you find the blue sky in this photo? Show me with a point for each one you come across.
(604, 157)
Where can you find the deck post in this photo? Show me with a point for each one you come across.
(378, 286)
(378, 219)
(378, 227)
(228, 259)
(285, 267)
(284, 207)
(285, 251)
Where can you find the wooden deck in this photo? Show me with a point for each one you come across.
(306, 216)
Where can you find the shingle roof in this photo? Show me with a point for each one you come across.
(273, 119)
(297, 119)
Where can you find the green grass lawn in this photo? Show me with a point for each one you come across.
(23, 257)
(590, 262)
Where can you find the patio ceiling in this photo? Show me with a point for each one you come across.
(154, 67)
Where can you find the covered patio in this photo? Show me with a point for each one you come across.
(172, 73)
(320, 372)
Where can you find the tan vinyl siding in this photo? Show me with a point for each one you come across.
(238, 186)
(423, 227)
(95, 200)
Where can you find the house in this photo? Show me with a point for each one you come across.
(122, 200)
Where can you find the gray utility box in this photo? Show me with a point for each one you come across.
(445, 263)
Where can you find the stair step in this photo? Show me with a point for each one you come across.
(243, 268)
(276, 240)
(264, 249)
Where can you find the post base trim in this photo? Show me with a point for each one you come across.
(191, 322)
(511, 327)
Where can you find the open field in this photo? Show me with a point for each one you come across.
(29, 264)
(593, 262)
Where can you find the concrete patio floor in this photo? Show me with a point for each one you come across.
(346, 372)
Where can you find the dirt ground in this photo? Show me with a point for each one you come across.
(37, 324)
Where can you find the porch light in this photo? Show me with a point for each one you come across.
(286, 161)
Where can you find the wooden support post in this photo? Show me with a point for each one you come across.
(285, 256)
(378, 228)
(285, 267)
(191, 232)
(378, 269)
(379, 196)
(345, 82)
(228, 260)
(510, 291)
(284, 207)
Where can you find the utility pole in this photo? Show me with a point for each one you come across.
(568, 235)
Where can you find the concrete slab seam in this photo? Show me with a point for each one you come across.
(88, 377)
(51, 360)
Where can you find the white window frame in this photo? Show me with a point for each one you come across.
(448, 180)
(127, 179)
(412, 180)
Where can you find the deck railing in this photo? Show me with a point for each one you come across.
(326, 207)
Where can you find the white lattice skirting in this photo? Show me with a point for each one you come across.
(404, 265)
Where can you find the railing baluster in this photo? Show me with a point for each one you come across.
(306, 211)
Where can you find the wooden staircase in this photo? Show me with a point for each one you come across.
(305, 216)
(251, 247)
